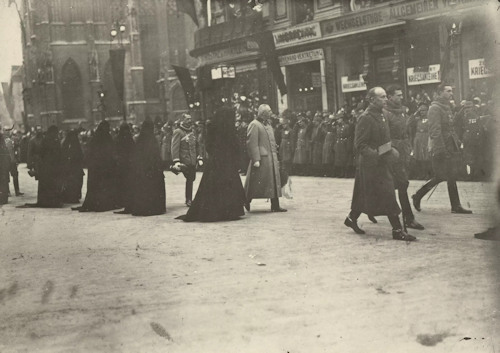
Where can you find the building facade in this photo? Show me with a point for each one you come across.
(332, 51)
(69, 76)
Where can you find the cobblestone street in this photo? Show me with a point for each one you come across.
(272, 282)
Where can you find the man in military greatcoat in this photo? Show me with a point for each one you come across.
(374, 192)
(186, 153)
(263, 175)
(445, 150)
(396, 116)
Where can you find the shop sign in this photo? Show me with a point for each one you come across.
(394, 14)
(316, 79)
(350, 85)
(423, 75)
(303, 57)
(252, 66)
(231, 53)
(291, 36)
(477, 69)
(223, 72)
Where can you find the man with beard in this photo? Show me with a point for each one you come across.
(263, 175)
(374, 192)
(185, 154)
(395, 113)
(444, 150)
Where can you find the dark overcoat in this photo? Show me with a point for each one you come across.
(400, 139)
(328, 148)
(262, 182)
(286, 146)
(421, 141)
(374, 192)
(317, 140)
(301, 152)
(344, 144)
(443, 141)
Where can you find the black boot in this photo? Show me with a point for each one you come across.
(16, 186)
(417, 197)
(275, 205)
(189, 193)
(354, 225)
(456, 207)
(399, 234)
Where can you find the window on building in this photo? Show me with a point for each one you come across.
(321, 4)
(72, 91)
(280, 9)
(304, 10)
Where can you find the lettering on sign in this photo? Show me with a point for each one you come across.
(353, 85)
(303, 57)
(477, 69)
(391, 15)
(297, 34)
(420, 76)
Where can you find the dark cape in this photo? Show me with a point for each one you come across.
(101, 182)
(72, 168)
(50, 172)
(221, 195)
(148, 179)
(125, 146)
(374, 192)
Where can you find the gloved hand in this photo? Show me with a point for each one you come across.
(256, 164)
(200, 162)
(177, 165)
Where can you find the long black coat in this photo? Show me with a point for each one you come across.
(49, 174)
(374, 192)
(4, 171)
(148, 179)
(221, 195)
(101, 182)
(124, 177)
(72, 168)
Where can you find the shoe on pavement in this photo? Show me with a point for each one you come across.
(19, 193)
(354, 225)
(490, 234)
(247, 206)
(372, 219)
(413, 224)
(416, 202)
(400, 234)
(188, 203)
(460, 210)
(279, 209)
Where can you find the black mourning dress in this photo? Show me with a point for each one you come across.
(148, 179)
(220, 196)
(124, 151)
(102, 190)
(72, 168)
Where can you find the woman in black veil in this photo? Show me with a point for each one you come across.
(148, 179)
(101, 182)
(72, 168)
(50, 171)
(124, 151)
(220, 196)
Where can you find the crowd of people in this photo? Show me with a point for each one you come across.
(378, 140)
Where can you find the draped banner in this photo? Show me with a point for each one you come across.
(186, 81)
(117, 60)
(268, 50)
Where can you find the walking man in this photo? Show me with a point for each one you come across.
(444, 150)
(263, 175)
(374, 192)
(396, 116)
(185, 153)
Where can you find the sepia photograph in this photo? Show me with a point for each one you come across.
(250, 176)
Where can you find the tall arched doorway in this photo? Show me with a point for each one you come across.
(72, 91)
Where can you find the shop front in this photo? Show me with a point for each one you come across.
(403, 43)
(304, 70)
